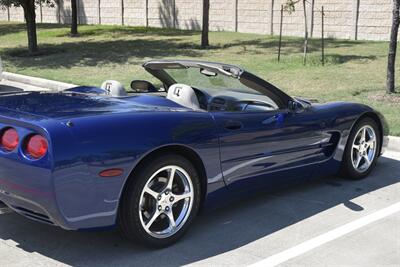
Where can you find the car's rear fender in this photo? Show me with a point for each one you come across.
(121, 141)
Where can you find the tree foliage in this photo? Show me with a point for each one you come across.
(290, 6)
(21, 3)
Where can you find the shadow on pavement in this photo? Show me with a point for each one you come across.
(214, 232)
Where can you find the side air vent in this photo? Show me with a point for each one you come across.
(330, 147)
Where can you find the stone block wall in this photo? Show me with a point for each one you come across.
(347, 19)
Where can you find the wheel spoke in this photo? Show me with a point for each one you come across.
(366, 158)
(172, 223)
(151, 192)
(371, 144)
(363, 134)
(358, 160)
(178, 198)
(152, 220)
(171, 179)
(356, 147)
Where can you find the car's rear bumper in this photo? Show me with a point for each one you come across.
(27, 208)
(29, 191)
(37, 198)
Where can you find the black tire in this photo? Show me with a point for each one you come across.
(348, 171)
(129, 219)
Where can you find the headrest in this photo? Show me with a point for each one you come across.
(184, 95)
(114, 88)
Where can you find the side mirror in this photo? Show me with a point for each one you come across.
(296, 107)
(208, 73)
(139, 86)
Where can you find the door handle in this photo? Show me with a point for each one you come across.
(233, 125)
(277, 118)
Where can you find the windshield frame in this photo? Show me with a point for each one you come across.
(158, 69)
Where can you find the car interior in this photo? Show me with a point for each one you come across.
(210, 100)
(217, 97)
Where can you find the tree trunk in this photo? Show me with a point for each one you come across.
(390, 82)
(305, 33)
(206, 14)
(30, 18)
(74, 18)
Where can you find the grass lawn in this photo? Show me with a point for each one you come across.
(355, 70)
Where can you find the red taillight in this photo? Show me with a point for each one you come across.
(9, 139)
(36, 146)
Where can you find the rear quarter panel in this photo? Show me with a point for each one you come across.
(93, 144)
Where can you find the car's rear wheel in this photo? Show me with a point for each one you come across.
(160, 201)
(362, 150)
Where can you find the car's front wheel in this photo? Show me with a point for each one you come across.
(160, 201)
(362, 150)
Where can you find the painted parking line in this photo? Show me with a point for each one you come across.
(320, 240)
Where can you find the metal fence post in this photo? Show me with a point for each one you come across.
(8, 14)
(235, 17)
(280, 35)
(175, 19)
(312, 18)
(146, 19)
(58, 12)
(122, 13)
(41, 11)
(99, 11)
(272, 17)
(322, 36)
(356, 15)
(77, 11)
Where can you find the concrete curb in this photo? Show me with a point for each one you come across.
(394, 143)
(38, 82)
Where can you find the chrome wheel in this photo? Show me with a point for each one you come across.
(166, 201)
(364, 149)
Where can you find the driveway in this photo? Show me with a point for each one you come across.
(285, 225)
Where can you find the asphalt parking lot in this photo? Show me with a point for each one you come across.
(287, 225)
(323, 223)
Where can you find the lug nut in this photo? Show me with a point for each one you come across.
(171, 199)
(167, 209)
(159, 198)
(167, 192)
(159, 207)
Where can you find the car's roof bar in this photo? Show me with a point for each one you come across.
(225, 69)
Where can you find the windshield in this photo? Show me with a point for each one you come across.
(208, 81)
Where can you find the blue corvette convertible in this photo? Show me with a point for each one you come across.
(147, 161)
